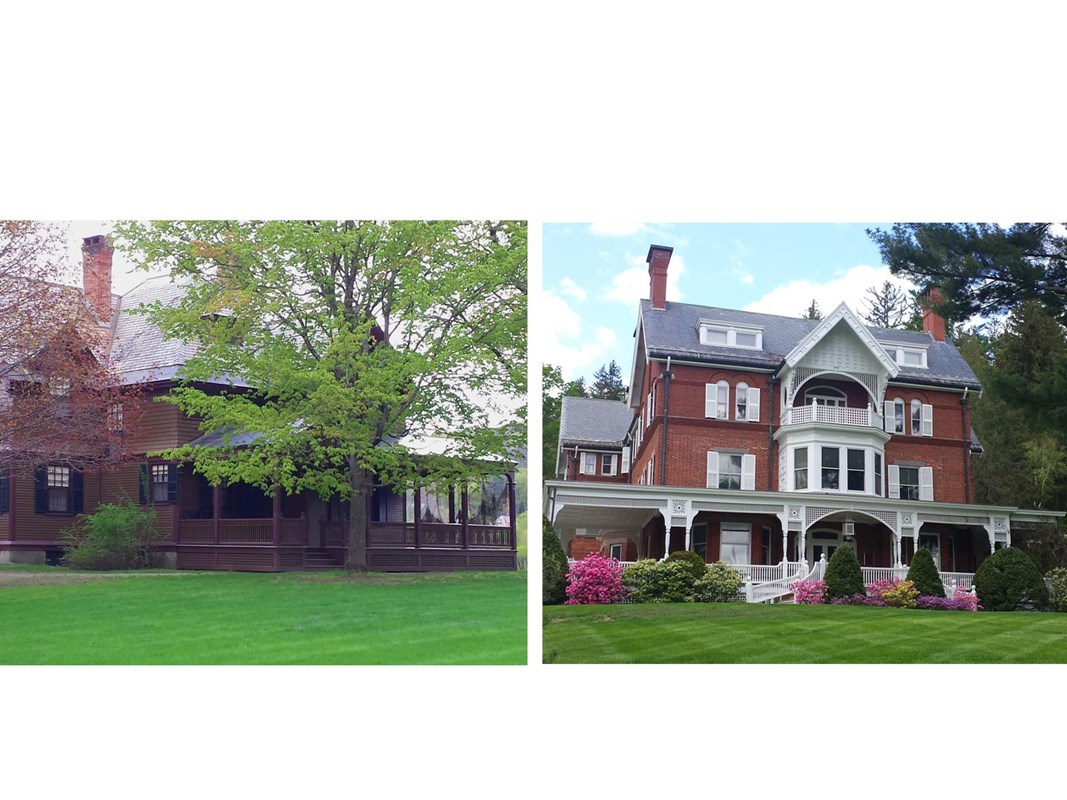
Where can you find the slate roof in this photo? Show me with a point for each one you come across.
(674, 332)
(138, 351)
(588, 421)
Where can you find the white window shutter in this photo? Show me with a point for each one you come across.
(926, 483)
(888, 418)
(612, 470)
(928, 419)
(648, 410)
(626, 459)
(711, 400)
(748, 473)
(894, 481)
(713, 469)
(752, 412)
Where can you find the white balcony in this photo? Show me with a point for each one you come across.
(833, 415)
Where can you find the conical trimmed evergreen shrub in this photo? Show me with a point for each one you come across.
(923, 573)
(844, 577)
(553, 567)
(1009, 580)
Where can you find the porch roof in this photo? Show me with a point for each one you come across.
(575, 504)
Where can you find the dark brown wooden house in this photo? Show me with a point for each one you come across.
(235, 527)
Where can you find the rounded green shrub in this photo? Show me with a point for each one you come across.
(923, 573)
(1009, 580)
(651, 581)
(843, 577)
(692, 561)
(719, 584)
(553, 567)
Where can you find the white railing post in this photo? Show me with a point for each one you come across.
(748, 592)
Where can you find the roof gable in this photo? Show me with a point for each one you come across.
(842, 315)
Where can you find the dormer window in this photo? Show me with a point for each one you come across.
(731, 334)
(914, 357)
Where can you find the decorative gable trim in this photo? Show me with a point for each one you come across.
(843, 314)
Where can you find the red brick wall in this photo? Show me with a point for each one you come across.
(582, 546)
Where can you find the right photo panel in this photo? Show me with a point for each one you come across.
(804, 443)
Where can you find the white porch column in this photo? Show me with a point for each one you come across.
(667, 540)
(802, 544)
(688, 537)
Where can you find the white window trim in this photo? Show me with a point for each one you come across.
(612, 464)
(839, 398)
(731, 329)
(739, 528)
(584, 467)
(752, 401)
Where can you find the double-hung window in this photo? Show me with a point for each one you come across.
(800, 469)
(588, 464)
(831, 468)
(729, 470)
(909, 483)
(607, 463)
(735, 543)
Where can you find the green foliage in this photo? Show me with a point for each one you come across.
(553, 390)
(1058, 592)
(812, 312)
(720, 583)
(1046, 545)
(1009, 581)
(553, 566)
(357, 338)
(115, 536)
(982, 269)
(902, 595)
(693, 562)
(652, 581)
(923, 573)
(607, 383)
(843, 577)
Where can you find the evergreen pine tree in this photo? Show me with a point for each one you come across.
(923, 573)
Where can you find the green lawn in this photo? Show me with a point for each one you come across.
(243, 618)
(790, 634)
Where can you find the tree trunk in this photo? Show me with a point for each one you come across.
(357, 517)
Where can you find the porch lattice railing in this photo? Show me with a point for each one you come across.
(834, 415)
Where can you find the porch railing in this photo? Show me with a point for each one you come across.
(437, 534)
(834, 415)
(241, 531)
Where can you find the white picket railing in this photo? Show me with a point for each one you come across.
(834, 415)
(772, 590)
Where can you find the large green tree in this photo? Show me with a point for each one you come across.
(607, 383)
(343, 341)
(981, 268)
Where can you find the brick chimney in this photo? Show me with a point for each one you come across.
(659, 258)
(96, 274)
(933, 323)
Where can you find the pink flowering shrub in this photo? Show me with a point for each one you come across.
(809, 593)
(595, 580)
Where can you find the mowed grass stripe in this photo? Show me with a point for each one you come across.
(789, 634)
(222, 618)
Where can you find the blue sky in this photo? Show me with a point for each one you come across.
(594, 275)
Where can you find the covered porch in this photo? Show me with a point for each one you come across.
(772, 538)
(239, 527)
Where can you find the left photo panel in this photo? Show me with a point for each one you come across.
(266, 442)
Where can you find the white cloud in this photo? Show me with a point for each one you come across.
(572, 289)
(631, 284)
(790, 299)
(606, 337)
(560, 341)
(617, 228)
